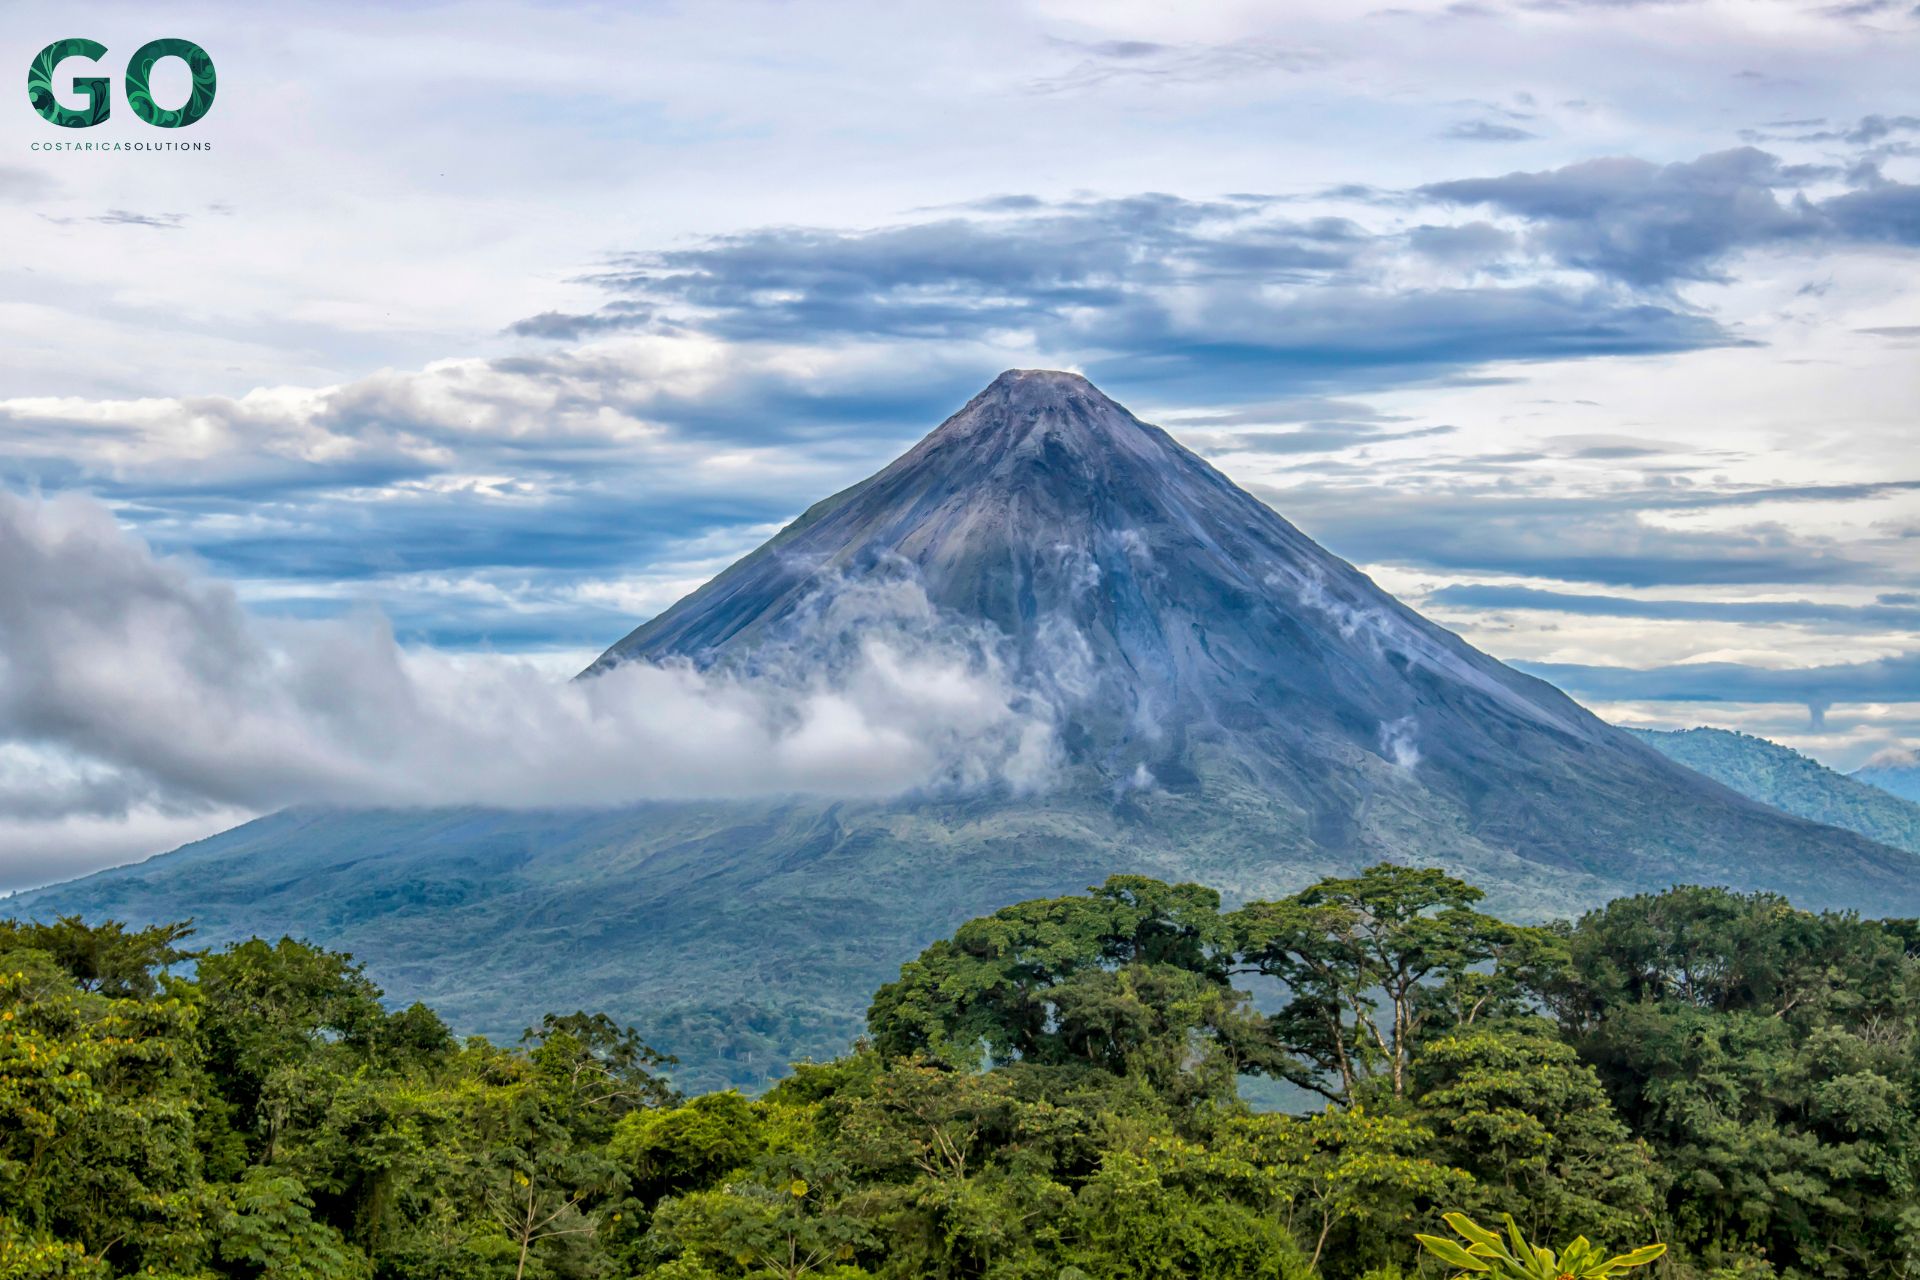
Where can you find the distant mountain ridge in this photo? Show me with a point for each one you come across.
(1896, 772)
(1796, 784)
(1233, 704)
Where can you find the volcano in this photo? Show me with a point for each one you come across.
(1232, 704)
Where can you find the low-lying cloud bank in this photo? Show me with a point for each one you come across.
(132, 685)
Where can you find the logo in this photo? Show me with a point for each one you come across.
(139, 71)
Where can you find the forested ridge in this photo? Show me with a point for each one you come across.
(1053, 1092)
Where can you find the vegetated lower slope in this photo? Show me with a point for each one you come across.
(1232, 703)
(1782, 777)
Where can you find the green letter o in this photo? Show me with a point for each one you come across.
(141, 68)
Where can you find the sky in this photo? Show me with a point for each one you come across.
(480, 332)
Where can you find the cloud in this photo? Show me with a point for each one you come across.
(133, 683)
(1894, 679)
(506, 501)
(125, 218)
(1324, 437)
(1602, 537)
(1894, 610)
(1487, 131)
(1897, 757)
(1221, 297)
(1651, 224)
(40, 850)
(1150, 63)
(1469, 243)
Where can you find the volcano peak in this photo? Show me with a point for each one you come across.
(1042, 409)
(1041, 386)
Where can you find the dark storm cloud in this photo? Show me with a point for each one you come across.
(1890, 612)
(1648, 224)
(1223, 298)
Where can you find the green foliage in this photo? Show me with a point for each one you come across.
(108, 960)
(1767, 1055)
(1515, 1107)
(268, 1230)
(99, 1171)
(1512, 1258)
(1132, 979)
(688, 1147)
(1048, 1094)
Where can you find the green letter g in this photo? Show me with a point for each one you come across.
(40, 85)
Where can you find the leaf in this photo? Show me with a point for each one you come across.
(1451, 1254)
(1637, 1258)
(1521, 1249)
(1464, 1226)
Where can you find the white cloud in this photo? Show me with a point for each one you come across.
(137, 686)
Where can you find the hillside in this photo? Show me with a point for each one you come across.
(1782, 777)
(1896, 772)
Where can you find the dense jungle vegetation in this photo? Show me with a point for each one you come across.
(1053, 1092)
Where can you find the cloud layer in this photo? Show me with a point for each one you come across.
(130, 683)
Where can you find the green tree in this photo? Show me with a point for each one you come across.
(596, 1069)
(1168, 1213)
(268, 1230)
(99, 1172)
(1511, 1104)
(1370, 964)
(1133, 979)
(1348, 1178)
(786, 1220)
(690, 1146)
(106, 959)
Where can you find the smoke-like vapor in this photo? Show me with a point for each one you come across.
(133, 684)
